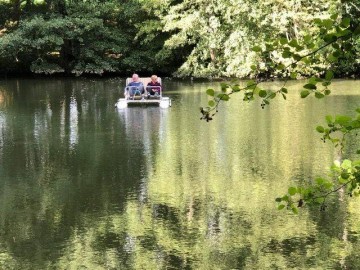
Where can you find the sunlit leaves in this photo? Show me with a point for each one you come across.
(283, 41)
(345, 22)
(319, 95)
(304, 93)
(211, 103)
(210, 92)
(262, 93)
(293, 75)
(345, 173)
(320, 129)
(310, 86)
(292, 191)
(342, 120)
(224, 97)
(256, 49)
(329, 75)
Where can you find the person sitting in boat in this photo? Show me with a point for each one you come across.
(135, 87)
(153, 87)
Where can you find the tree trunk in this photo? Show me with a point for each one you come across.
(16, 11)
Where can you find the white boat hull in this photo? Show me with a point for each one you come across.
(163, 102)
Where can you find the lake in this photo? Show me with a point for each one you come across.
(84, 185)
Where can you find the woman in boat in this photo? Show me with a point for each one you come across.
(153, 87)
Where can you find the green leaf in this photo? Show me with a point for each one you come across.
(271, 94)
(256, 90)
(256, 49)
(310, 86)
(336, 46)
(304, 93)
(342, 119)
(329, 38)
(293, 75)
(346, 164)
(253, 67)
(224, 87)
(284, 90)
(329, 75)
(286, 54)
(307, 38)
(292, 191)
(332, 58)
(280, 66)
(345, 23)
(225, 97)
(283, 95)
(293, 43)
(345, 175)
(334, 16)
(281, 206)
(326, 83)
(283, 41)
(320, 181)
(329, 119)
(318, 21)
(211, 103)
(299, 48)
(236, 88)
(297, 57)
(262, 93)
(357, 30)
(328, 23)
(295, 210)
(320, 129)
(210, 92)
(278, 200)
(327, 92)
(337, 53)
(251, 84)
(319, 95)
(314, 80)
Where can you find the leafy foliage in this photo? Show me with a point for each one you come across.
(337, 38)
(227, 37)
(346, 176)
(218, 38)
(342, 34)
(85, 37)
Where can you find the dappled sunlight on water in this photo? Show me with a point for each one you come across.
(85, 185)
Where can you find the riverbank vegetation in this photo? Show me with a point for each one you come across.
(336, 40)
(197, 38)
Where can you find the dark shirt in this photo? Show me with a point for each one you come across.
(152, 90)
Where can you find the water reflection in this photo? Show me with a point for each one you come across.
(84, 185)
(73, 123)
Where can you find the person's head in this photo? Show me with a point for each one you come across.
(135, 77)
(154, 78)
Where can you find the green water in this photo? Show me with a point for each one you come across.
(86, 186)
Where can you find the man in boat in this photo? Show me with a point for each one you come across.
(153, 87)
(135, 87)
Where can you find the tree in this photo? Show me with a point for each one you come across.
(76, 37)
(222, 34)
(339, 37)
(67, 39)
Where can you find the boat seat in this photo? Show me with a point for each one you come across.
(145, 81)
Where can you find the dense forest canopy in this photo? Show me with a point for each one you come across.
(199, 38)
